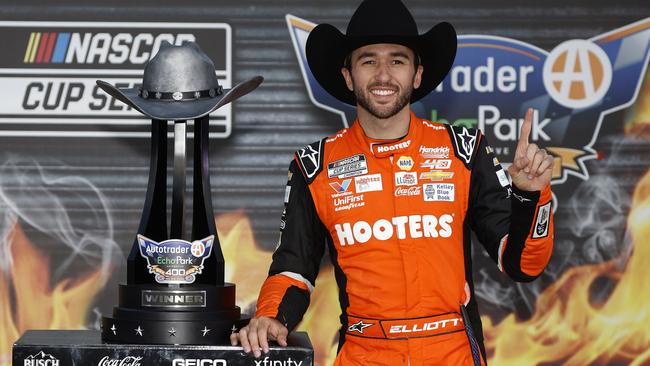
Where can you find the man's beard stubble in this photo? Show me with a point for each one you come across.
(402, 100)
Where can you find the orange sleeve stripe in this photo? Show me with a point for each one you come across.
(537, 252)
(272, 293)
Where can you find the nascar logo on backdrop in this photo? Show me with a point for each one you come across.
(49, 69)
(495, 79)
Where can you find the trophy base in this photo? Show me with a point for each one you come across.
(154, 314)
(171, 332)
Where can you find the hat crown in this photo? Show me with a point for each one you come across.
(183, 68)
(382, 17)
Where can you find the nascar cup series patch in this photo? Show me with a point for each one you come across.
(175, 261)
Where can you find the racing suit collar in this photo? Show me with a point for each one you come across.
(386, 148)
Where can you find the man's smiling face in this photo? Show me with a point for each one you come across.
(382, 77)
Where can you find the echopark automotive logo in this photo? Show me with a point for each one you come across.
(48, 74)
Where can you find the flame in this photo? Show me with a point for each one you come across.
(26, 288)
(638, 117)
(571, 328)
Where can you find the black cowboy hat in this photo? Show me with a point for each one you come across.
(179, 83)
(379, 21)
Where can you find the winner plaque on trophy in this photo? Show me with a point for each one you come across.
(175, 291)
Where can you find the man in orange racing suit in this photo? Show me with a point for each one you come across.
(394, 197)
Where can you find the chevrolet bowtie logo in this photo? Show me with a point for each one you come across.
(359, 326)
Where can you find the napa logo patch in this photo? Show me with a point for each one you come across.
(494, 80)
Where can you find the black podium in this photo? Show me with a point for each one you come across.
(85, 348)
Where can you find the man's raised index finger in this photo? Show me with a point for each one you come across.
(525, 129)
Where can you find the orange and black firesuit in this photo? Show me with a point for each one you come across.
(397, 216)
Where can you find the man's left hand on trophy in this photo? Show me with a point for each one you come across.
(256, 335)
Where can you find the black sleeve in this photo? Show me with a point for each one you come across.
(300, 247)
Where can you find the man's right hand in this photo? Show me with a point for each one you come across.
(258, 332)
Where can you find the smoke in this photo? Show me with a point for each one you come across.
(46, 201)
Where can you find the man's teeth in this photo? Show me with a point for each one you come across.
(383, 92)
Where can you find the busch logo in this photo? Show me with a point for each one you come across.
(199, 362)
(126, 361)
(41, 359)
(414, 226)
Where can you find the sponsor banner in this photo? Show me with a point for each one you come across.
(368, 183)
(441, 192)
(348, 167)
(496, 79)
(438, 152)
(542, 221)
(175, 261)
(436, 164)
(413, 226)
(406, 178)
(48, 75)
(41, 359)
(408, 191)
(405, 162)
(436, 175)
(348, 202)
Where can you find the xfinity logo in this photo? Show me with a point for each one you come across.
(414, 226)
(126, 361)
(199, 362)
(41, 359)
(268, 362)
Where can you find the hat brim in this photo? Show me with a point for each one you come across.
(327, 48)
(179, 110)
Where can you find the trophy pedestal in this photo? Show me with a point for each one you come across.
(84, 347)
(154, 314)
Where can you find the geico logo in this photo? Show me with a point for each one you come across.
(401, 145)
(415, 328)
(198, 362)
(415, 226)
(103, 48)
